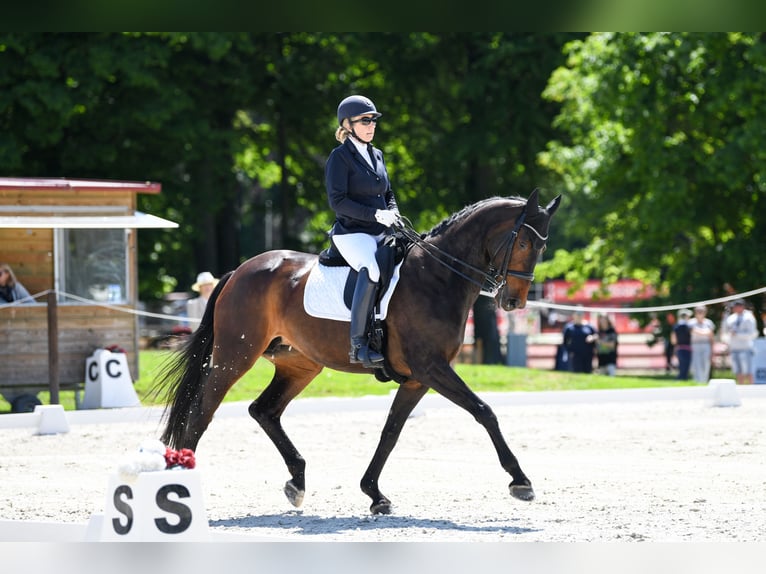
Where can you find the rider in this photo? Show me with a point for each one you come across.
(360, 194)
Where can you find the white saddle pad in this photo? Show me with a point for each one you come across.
(323, 296)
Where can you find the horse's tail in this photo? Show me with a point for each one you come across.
(182, 375)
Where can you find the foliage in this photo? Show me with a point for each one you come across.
(654, 138)
(662, 158)
(237, 126)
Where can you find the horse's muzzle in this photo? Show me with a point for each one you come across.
(512, 303)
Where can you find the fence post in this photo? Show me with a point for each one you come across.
(53, 347)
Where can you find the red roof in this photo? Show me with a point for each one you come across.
(62, 184)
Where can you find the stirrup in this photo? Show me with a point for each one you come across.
(368, 357)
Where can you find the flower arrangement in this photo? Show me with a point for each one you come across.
(152, 456)
(183, 458)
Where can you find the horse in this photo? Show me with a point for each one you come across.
(489, 247)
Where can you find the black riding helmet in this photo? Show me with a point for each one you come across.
(356, 106)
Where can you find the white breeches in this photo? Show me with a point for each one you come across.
(358, 249)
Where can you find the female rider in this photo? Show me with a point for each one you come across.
(359, 192)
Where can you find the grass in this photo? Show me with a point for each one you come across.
(330, 383)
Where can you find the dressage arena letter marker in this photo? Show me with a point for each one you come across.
(158, 507)
(107, 381)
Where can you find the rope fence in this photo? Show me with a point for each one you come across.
(656, 309)
(121, 308)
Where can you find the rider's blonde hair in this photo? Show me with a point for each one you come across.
(342, 133)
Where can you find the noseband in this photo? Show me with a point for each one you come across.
(491, 281)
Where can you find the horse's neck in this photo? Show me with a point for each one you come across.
(466, 239)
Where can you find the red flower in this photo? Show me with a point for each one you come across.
(186, 458)
(115, 349)
(176, 458)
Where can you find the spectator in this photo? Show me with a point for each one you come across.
(606, 346)
(10, 289)
(681, 337)
(660, 331)
(486, 335)
(702, 338)
(580, 341)
(740, 329)
(670, 348)
(204, 285)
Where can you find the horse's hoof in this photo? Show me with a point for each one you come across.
(381, 507)
(522, 491)
(293, 494)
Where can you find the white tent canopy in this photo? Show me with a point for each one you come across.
(138, 220)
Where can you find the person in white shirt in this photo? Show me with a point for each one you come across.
(702, 331)
(740, 326)
(204, 285)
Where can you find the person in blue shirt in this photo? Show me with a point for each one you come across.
(681, 337)
(580, 342)
(359, 192)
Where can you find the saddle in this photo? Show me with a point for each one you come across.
(390, 253)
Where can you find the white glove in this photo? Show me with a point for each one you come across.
(386, 217)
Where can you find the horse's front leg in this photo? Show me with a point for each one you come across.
(446, 382)
(408, 395)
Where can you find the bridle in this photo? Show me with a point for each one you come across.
(491, 281)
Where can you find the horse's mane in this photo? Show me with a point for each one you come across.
(466, 211)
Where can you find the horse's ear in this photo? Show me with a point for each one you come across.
(532, 205)
(553, 205)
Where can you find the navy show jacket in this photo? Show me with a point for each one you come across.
(355, 191)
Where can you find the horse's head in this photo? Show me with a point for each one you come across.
(519, 250)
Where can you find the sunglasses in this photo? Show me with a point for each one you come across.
(365, 121)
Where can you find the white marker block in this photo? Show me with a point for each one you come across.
(723, 393)
(51, 419)
(161, 506)
(107, 381)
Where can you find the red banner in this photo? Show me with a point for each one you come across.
(623, 291)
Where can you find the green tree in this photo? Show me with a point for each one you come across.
(662, 159)
(237, 126)
(466, 115)
(469, 128)
(133, 106)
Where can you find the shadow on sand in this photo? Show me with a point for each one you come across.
(296, 522)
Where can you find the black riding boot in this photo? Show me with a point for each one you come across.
(361, 309)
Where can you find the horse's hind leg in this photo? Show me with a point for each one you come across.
(218, 379)
(293, 372)
(408, 395)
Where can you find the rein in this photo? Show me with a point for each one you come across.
(492, 281)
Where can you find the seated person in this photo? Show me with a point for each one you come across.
(10, 289)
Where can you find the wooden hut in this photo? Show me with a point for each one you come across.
(74, 243)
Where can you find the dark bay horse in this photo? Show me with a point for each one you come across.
(259, 304)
